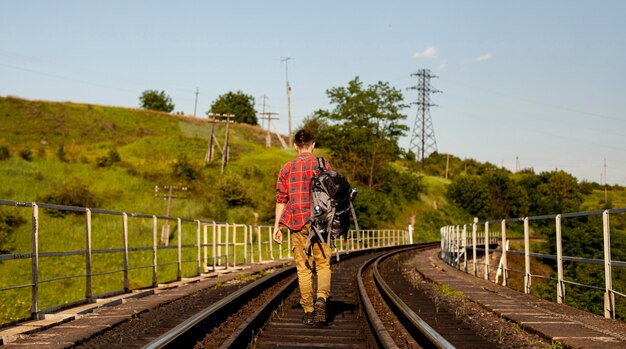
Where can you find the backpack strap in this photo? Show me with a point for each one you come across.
(321, 164)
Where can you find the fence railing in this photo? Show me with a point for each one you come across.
(457, 241)
(117, 252)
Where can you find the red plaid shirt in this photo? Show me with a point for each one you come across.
(292, 189)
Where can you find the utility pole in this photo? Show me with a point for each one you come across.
(286, 60)
(606, 195)
(423, 141)
(165, 231)
(195, 106)
(226, 147)
(268, 116)
(212, 139)
(280, 138)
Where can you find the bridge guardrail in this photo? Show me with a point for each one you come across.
(123, 249)
(457, 242)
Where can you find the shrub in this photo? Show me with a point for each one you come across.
(233, 191)
(4, 152)
(26, 154)
(8, 222)
(61, 153)
(114, 156)
(184, 169)
(106, 161)
(75, 193)
(103, 161)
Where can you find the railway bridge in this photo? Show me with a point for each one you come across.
(132, 283)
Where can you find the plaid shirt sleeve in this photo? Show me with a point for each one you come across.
(282, 195)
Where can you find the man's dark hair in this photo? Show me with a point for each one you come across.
(304, 138)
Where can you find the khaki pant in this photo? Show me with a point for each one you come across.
(320, 254)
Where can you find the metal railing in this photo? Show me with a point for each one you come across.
(457, 242)
(123, 252)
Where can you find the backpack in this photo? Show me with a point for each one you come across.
(331, 204)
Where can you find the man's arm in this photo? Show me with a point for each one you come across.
(278, 235)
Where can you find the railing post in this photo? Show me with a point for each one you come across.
(487, 261)
(206, 247)
(527, 275)
(198, 250)
(234, 245)
(219, 245)
(457, 246)
(227, 236)
(464, 242)
(560, 285)
(251, 245)
(269, 241)
(609, 296)
(88, 289)
(449, 247)
(179, 248)
(125, 233)
(289, 243)
(505, 268)
(245, 244)
(214, 247)
(154, 251)
(474, 245)
(258, 234)
(34, 305)
(280, 247)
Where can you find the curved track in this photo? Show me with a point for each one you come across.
(258, 317)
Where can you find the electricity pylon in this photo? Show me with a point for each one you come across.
(423, 142)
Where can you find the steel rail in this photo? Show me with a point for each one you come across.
(182, 335)
(383, 338)
(179, 335)
(420, 329)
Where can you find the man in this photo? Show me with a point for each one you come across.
(294, 212)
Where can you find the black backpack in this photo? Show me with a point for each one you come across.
(331, 204)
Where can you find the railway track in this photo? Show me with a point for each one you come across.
(258, 317)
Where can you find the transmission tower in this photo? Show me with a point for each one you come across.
(423, 141)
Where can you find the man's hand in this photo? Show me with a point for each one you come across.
(278, 235)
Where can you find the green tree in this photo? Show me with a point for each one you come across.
(155, 100)
(560, 192)
(506, 198)
(237, 103)
(365, 126)
(317, 125)
(471, 194)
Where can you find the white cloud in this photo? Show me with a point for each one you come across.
(429, 52)
(483, 58)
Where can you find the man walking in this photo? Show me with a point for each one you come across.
(293, 211)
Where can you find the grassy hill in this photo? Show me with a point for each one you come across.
(149, 146)
(109, 157)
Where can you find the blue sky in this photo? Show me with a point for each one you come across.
(543, 82)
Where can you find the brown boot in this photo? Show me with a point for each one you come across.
(320, 312)
(308, 319)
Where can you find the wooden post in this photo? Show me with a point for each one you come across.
(226, 145)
